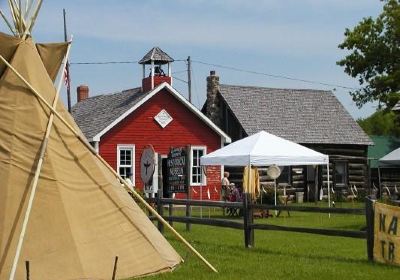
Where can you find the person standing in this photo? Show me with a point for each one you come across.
(225, 189)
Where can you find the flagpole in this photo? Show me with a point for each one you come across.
(67, 66)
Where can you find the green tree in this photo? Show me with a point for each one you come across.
(382, 122)
(374, 58)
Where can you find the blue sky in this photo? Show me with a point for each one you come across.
(291, 38)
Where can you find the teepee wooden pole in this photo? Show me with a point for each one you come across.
(29, 27)
(7, 22)
(90, 148)
(37, 173)
(12, 11)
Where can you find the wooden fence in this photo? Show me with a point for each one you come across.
(248, 224)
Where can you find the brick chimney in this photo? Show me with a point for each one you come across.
(82, 93)
(213, 111)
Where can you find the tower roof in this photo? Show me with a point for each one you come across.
(157, 55)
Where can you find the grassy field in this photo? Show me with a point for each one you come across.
(279, 255)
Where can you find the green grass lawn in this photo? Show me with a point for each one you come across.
(279, 255)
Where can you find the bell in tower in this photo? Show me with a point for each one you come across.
(154, 64)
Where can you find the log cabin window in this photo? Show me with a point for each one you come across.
(285, 175)
(126, 161)
(197, 176)
(340, 173)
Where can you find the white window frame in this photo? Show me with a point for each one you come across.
(203, 176)
(127, 147)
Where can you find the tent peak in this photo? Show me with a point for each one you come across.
(23, 16)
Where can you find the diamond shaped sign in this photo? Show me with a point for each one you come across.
(163, 118)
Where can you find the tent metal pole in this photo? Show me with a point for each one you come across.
(329, 189)
(249, 177)
(276, 212)
(37, 172)
(93, 151)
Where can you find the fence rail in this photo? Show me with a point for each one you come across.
(249, 226)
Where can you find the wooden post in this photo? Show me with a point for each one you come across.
(27, 270)
(160, 193)
(115, 268)
(248, 221)
(370, 215)
(160, 211)
(171, 213)
(188, 210)
(189, 72)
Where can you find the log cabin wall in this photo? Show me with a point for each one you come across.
(390, 177)
(353, 159)
(304, 179)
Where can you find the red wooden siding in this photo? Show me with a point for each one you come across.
(141, 129)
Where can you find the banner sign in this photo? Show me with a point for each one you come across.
(177, 162)
(386, 234)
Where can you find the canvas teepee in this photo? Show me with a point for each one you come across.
(81, 218)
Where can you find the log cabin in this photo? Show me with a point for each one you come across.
(313, 118)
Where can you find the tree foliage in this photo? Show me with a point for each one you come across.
(374, 58)
(382, 122)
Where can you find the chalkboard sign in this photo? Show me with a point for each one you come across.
(177, 170)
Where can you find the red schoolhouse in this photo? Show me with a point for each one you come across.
(121, 125)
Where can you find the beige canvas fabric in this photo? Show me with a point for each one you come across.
(52, 55)
(81, 216)
(7, 48)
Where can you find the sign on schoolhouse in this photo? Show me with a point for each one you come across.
(177, 170)
(387, 235)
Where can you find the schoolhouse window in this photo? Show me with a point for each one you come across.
(126, 161)
(197, 177)
(340, 173)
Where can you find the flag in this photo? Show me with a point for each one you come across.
(208, 193)
(67, 80)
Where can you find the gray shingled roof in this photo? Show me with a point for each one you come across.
(157, 55)
(95, 113)
(300, 115)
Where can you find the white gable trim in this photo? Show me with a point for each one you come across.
(225, 138)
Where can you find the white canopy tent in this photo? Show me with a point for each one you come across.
(265, 149)
(392, 158)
